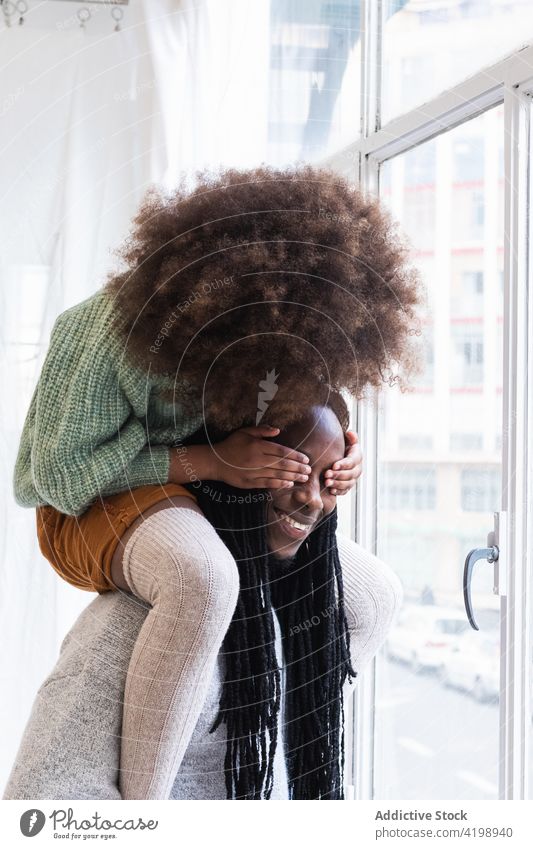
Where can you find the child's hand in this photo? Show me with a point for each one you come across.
(344, 473)
(244, 459)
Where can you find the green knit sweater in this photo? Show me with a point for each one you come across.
(95, 425)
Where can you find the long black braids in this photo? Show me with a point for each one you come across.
(251, 693)
(309, 602)
(306, 595)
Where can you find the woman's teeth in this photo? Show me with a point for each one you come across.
(292, 522)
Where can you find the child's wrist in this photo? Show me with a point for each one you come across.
(192, 462)
(211, 463)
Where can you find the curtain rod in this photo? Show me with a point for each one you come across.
(100, 2)
(84, 15)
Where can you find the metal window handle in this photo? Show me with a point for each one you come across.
(491, 555)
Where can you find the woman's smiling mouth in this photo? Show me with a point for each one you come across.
(290, 526)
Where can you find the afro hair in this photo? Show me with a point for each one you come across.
(263, 283)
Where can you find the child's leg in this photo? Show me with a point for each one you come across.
(176, 561)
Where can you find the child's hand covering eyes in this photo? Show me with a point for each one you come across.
(244, 459)
(344, 473)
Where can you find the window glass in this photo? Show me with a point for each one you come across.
(439, 477)
(314, 79)
(529, 686)
(430, 45)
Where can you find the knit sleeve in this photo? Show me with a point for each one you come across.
(373, 596)
(87, 441)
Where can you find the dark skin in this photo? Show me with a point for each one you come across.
(249, 458)
(320, 436)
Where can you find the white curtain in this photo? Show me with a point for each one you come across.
(90, 117)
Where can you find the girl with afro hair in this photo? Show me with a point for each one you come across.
(244, 303)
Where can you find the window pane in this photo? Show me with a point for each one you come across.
(529, 687)
(430, 45)
(439, 477)
(314, 78)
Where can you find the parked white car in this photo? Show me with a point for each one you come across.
(423, 634)
(473, 664)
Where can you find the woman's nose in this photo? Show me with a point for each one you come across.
(308, 493)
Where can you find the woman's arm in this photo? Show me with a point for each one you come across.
(70, 748)
(373, 596)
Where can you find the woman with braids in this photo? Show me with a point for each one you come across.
(286, 551)
(271, 723)
(254, 286)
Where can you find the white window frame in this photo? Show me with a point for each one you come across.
(508, 81)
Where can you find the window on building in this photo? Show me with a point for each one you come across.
(420, 165)
(415, 442)
(409, 488)
(467, 366)
(468, 159)
(472, 283)
(480, 490)
(466, 441)
(478, 214)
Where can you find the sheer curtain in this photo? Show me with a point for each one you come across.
(91, 116)
(76, 152)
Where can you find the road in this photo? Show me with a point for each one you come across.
(433, 742)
